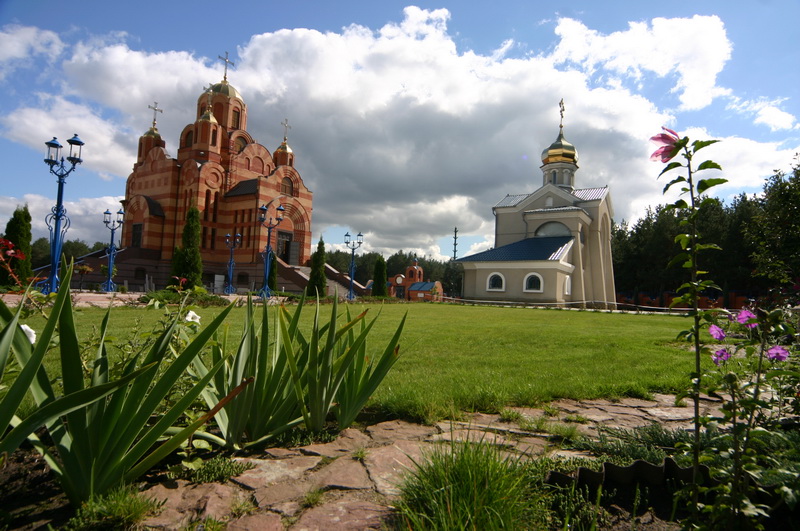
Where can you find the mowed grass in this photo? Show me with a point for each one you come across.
(467, 358)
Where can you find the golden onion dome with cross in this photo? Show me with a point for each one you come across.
(560, 151)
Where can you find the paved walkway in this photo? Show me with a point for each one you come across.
(358, 474)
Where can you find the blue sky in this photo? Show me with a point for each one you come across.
(407, 119)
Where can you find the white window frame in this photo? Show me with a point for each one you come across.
(568, 285)
(525, 283)
(489, 279)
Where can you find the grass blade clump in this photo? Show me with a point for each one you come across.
(467, 485)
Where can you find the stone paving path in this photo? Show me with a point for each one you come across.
(356, 477)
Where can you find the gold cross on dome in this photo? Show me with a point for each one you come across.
(286, 127)
(227, 62)
(155, 108)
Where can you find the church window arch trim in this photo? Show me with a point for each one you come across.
(533, 283)
(495, 282)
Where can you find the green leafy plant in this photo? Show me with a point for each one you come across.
(269, 405)
(671, 144)
(219, 469)
(115, 440)
(29, 355)
(320, 363)
(364, 374)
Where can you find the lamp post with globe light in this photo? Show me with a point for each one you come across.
(270, 223)
(57, 220)
(113, 225)
(352, 245)
(231, 243)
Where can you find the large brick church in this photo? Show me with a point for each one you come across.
(223, 172)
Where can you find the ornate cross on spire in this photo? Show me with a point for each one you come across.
(155, 108)
(561, 112)
(286, 127)
(209, 92)
(227, 62)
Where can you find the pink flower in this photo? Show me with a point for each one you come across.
(667, 142)
(744, 317)
(778, 353)
(716, 332)
(720, 356)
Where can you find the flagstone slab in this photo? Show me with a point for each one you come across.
(343, 514)
(394, 430)
(267, 472)
(347, 441)
(262, 521)
(185, 502)
(343, 473)
(388, 464)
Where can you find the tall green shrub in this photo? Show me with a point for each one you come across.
(379, 278)
(18, 231)
(187, 262)
(317, 282)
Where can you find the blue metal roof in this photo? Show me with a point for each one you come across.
(422, 286)
(544, 248)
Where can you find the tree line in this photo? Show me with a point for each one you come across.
(758, 236)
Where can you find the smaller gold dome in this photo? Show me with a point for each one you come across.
(153, 131)
(560, 151)
(208, 116)
(284, 147)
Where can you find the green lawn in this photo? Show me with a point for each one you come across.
(456, 358)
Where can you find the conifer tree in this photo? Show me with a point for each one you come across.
(187, 262)
(379, 278)
(317, 282)
(18, 232)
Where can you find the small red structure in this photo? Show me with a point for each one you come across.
(413, 287)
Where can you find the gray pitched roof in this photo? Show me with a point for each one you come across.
(154, 206)
(582, 194)
(250, 186)
(544, 248)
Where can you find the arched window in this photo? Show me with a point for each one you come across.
(553, 228)
(568, 285)
(496, 282)
(533, 283)
(287, 186)
(554, 176)
(189, 140)
(240, 143)
(236, 118)
(214, 137)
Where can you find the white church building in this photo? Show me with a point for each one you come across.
(552, 246)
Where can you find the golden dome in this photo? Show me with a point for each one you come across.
(284, 147)
(153, 131)
(226, 89)
(560, 151)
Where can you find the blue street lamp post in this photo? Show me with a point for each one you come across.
(352, 245)
(113, 225)
(57, 220)
(231, 244)
(270, 224)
